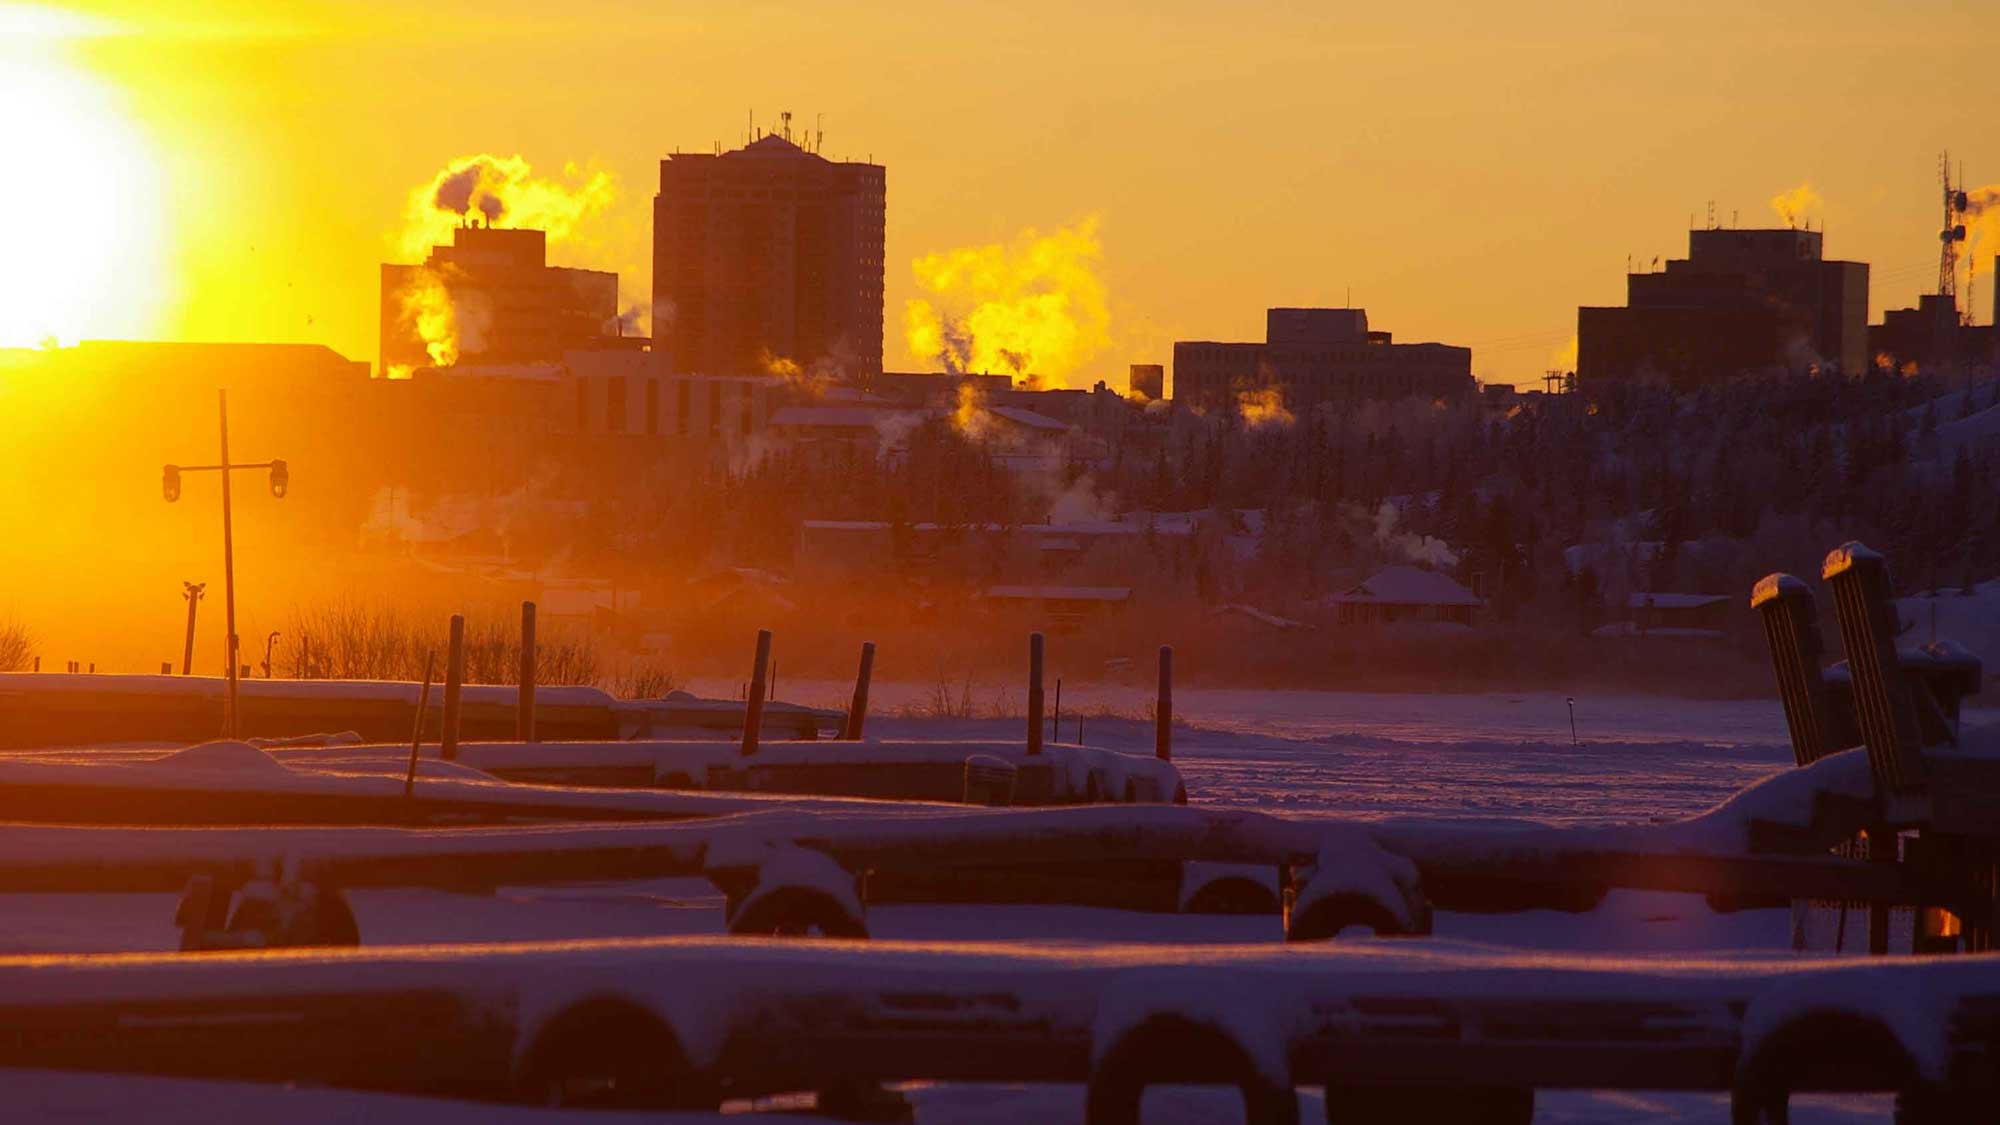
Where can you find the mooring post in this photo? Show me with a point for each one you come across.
(857, 711)
(1034, 693)
(417, 734)
(753, 703)
(1163, 711)
(1882, 848)
(524, 715)
(454, 679)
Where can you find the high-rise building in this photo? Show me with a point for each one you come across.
(768, 252)
(1312, 356)
(491, 298)
(1742, 301)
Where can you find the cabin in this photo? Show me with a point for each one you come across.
(1400, 594)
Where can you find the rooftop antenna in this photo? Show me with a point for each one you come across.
(1733, 213)
(785, 119)
(819, 131)
(1711, 215)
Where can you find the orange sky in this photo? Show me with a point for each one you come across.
(1471, 175)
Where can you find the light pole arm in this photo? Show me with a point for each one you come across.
(231, 465)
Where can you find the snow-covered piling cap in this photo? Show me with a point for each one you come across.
(1847, 556)
(1777, 585)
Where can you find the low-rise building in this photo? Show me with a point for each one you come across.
(1314, 356)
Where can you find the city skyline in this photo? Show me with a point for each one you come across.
(1202, 164)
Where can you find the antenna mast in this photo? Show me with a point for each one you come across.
(1951, 234)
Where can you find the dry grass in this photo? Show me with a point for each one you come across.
(17, 646)
(350, 641)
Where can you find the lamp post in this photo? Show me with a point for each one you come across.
(170, 487)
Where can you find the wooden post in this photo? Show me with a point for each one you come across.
(857, 711)
(193, 595)
(1163, 711)
(753, 705)
(524, 714)
(417, 735)
(1034, 693)
(1055, 717)
(454, 679)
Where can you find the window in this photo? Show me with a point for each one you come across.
(652, 407)
(582, 404)
(681, 407)
(715, 410)
(614, 404)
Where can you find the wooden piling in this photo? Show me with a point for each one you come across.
(857, 711)
(454, 679)
(417, 734)
(1034, 693)
(1163, 711)
(524, 714)
(753, 704)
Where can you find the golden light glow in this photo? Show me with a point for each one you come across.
(85, 247)
(1033, 307)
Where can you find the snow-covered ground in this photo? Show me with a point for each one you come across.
(1460, 758)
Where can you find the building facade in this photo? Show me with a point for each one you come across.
(1741, 302)
(492, 298)
(765, 253)
(1313, 356)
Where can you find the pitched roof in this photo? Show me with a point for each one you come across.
(1673, 601)
(1061, 593)
(839, 417)
(1027, 418)
(1407, 585)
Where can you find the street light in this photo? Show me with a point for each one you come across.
(170, 487)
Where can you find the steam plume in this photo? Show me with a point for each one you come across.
(497, 187)
(1263, 408)
(1032, 307)
(1793, 206)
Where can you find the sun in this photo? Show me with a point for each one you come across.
(80, 194)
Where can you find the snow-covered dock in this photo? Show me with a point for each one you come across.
(47, 709)
(1410, 1025)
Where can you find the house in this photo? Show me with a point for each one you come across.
(1065, 607)
(1398, 594)
(1686, 616)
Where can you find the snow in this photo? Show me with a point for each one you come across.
(1352, 864)
(1479, 762)
(1197, 874)
(787, 867)
(1970, 620)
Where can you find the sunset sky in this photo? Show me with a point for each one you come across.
(1470, 173)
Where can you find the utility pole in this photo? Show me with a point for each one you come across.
(192, 592)
(170, 486)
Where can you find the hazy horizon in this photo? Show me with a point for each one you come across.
(1467, 176)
